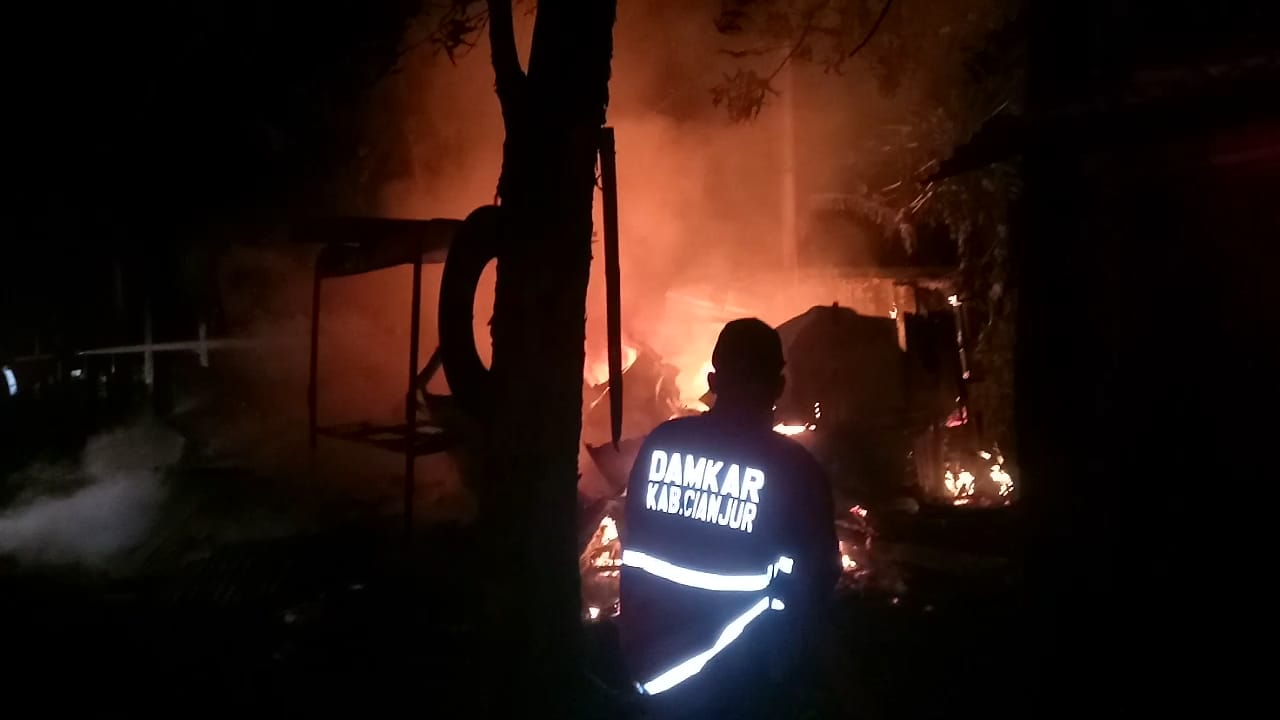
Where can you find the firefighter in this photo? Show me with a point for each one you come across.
(729, 550)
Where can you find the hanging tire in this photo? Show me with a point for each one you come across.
(475, 245)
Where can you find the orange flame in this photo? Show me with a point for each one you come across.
(789, 430)
(596, 371)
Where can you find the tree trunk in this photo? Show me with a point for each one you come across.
(553, 115)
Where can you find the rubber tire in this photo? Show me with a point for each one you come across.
(476, 244)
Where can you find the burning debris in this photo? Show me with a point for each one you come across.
(789, 430)
(599, 565)
(863, 406)
(856, 538)
(650, 394)
(846, 562)
(992, 485)
(960, 485)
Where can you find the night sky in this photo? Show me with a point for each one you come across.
(140, 131)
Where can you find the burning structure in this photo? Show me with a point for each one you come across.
(873, 398)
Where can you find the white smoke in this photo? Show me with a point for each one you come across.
(110, 513)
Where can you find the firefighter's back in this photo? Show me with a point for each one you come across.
(716, 511)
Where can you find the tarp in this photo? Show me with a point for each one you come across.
(358, 245)
(850, 363)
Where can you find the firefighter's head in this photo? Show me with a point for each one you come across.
(748, 366)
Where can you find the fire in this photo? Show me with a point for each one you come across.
(600, 566)
(604, 551)
(962, 485)
(596, 371)
(1002, 479)
(693, 386)
(608, 530)
(789, 430)
(847, 562)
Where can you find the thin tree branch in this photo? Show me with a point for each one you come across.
(874, 27)
(751, 52)
(456, 30)
(804, 35)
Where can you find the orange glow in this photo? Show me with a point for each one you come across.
(694, 385)
(961, 484)
(608, 530)
(597, 369)
(604, 551)
(789, 430)
(1002, 479)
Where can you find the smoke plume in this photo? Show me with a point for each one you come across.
(108, 514)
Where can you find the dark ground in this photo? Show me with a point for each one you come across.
(270, 594)
(358, 617)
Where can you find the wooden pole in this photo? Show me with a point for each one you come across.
(613, 278)
(202, 335)
(148, 358)
(314, 361)
(410, 398)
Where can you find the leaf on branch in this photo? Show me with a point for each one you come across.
(732, 16)
(743, 94)
(459, 28)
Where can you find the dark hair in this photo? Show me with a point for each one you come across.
(749, 351)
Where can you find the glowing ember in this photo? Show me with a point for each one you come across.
(1002, 479)
(603, 552)
(953, 300)
(859, 511)
(846, 557)
(959, 485)
(600, 565)
(964, 488)
(608, 530)
(789, 430)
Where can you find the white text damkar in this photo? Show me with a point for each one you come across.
(695, 487)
